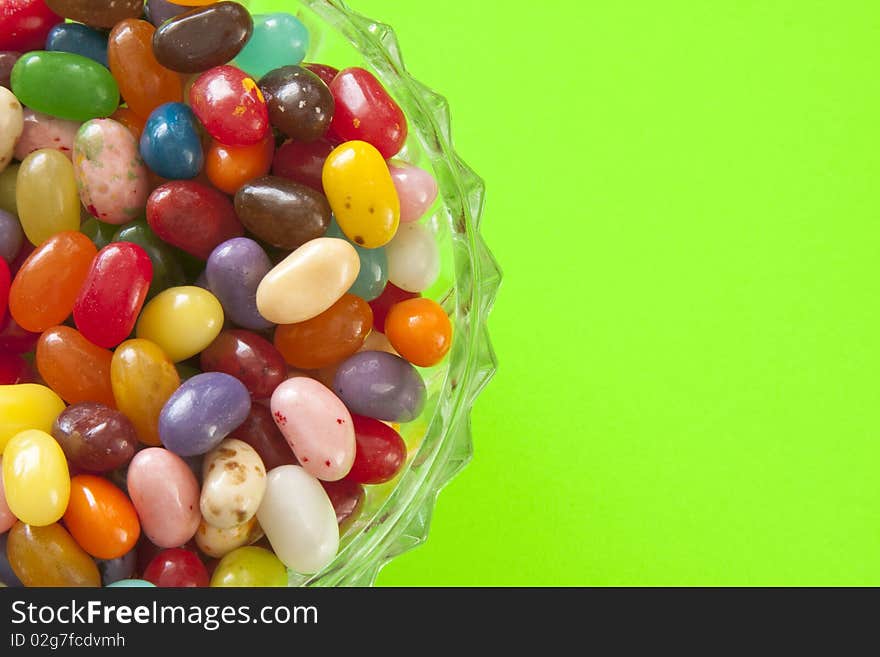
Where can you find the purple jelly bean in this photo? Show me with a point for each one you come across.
(114, 570)
(7, 575)
(159, 11)
(10, 236)
(202, 412)
(234, 271)
(380, 385)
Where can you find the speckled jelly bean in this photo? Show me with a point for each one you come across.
(380, 385)
(44, 131)
(203, 38)
(233, 484)
(373, 274)
(182, 321)
(113, 293)
(90, 91)
(278, 40)
(249, 357)
(36, 481)
(74, 367)
(26, 406)
(170, 143)
(260, 432)
(176, 568)
(165, 494)
(101, 518)
(300, 104)
(110, 173)
(46, 195)
(413, 258)
(80, 40)
(216, 542)
(95, 437)
(416, 189)
(230, 167)
(234, 271)
(11, 236)
(302, 162)
(308, 281)
(249, 566)
(317, 426)
(230, 105)
(49, 556)
(100, 13)
(420, 331)
(167, 270)
(11, 125)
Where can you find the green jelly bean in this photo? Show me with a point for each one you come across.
(65, 85)
(251, 567)
(167, 271)
(99, 232)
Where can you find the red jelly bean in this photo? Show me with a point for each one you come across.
(5, 282)
(192, 216)
(302, 162)
(249, 357)
(15, 339)
(380, 451)
(14, 369)
(177, 568)
(347, 498)
(260, 432)
(113, 294)
(326, 73)
(382, 304)
(230, 105)
(365, 111)
(24, 24)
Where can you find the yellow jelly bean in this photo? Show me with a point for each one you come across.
(35, 478)
(362, 194)
(46, 195)
(26, 406)
(7, 188)
(183, 321)
(48, 556)
(143, 378)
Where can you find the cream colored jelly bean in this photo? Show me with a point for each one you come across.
(11, 125)
(413, 258)
(233, 483)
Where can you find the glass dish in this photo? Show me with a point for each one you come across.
(396, 515)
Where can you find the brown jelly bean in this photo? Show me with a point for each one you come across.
(95, 437)
(98, 13)
(300, 104)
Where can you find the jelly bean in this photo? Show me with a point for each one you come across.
(36, 481)
(14, 370)
(143, 81)
(48, 556)
(44, 131)
(365, 112)
(8, 181)
(230, 167)
(192, 3)
(100, 13)
(4, 288)
(235, 269)
(347, 498)
(380, 454)
(192, 216)
(101, 518)
(308, 281)
(113, 293)
(110, 174)
(26, 406)
(170, 143)
(90, 92)
(230, 106)
(380, 385)
(11, 125)
(278, 40)
(182, 321)
(300, 104)
(326, 73)
(130, 120)
(166, 495)
(413, 258)
(7, 575)
(299, 519)
(217, 543)
(328, 338)
(317, 426)
(7, 518)
(260, 432)
(420, 331)
(250, 358)
(132, 584)
(159, 11)
(203, 38)
(118, 569)
(46, 195)
(186, 371)
(95, 437)
(143, 378)
(167, 271)
(7, 61)
(373, 274)
(416, 189)
(250, 566)
(302, 162)
(14, 339)
(282, 213)
(176, 568)
(385, 301)
(361, 193)
(24, 24)
(74, 367)
(378, 342)
(80, 40)
(11, 236)
(202, 412)
(234, 480)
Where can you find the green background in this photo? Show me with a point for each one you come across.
(684, 198)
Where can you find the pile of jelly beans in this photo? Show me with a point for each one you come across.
(211, 319)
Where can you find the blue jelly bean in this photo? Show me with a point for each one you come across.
(170, 143)
(80, 40)
(132, 584)
(278, 40)
(373, 275)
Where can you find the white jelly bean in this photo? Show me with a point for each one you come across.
(413, 258)
(233, 483)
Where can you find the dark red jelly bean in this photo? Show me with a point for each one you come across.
(249, 357)
(365, 111)
(229, 104)
(347, 498)
(380, 451)
(5, 282)
(260, 432)
(192, 216)
(15, 339)
(177, 568)
(25, 24)
(302, 162)
(95, 437)
(382, 304)
(326, 73)
(15, 369)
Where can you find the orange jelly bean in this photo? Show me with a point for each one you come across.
(419, 330)
(101, 518)
(45, 288)
(74, 367)
(143, 81)
(127, 117)
(328, 338)
(230, 167)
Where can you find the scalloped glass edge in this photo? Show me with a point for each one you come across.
(402, 521)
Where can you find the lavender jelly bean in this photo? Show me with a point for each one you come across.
(380, 385)
(10, 236)
(234, 271)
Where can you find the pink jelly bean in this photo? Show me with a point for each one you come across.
(416, 189)
(44, 131)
